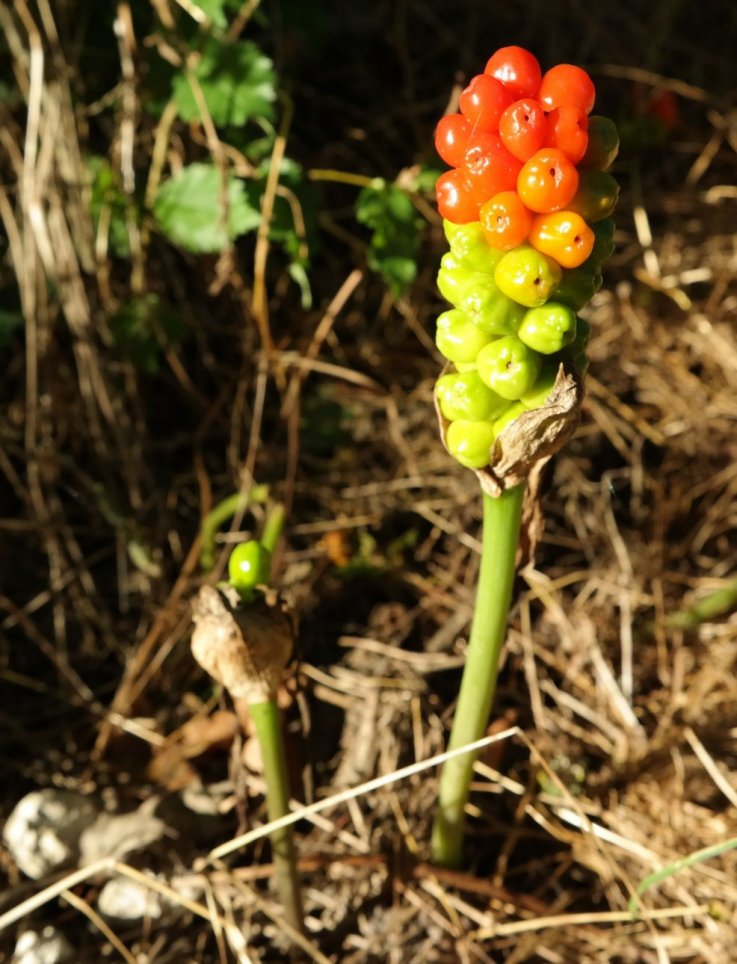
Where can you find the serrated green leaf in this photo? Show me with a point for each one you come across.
(396, 233)
(188, 208)
(237, 81)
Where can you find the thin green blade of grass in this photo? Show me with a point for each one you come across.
(683, 863)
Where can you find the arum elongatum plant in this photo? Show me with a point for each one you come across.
(526, 212)
(244, 638)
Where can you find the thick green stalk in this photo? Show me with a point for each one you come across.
(496, 576)
(266, 719)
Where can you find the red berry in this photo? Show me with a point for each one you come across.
(451, 138)
(489, 167)
(568, 131)
(517, 69)
(567, 86)
(523, 128)
(483, 101)
(456, 203)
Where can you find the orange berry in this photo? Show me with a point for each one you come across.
(548, 181)
(568, 130)
(567, 86)
(505, 221)
(563, 236)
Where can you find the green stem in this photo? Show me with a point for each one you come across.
(273, 527)
(266, 719)
(220, 514)
(496, 576)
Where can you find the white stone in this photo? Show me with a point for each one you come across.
(48, 946)
(127, 900)
(43, 831)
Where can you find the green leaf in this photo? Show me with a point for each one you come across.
(189, 209)
(215, 10)
(107, 196)
(237, 81)
(396, 233)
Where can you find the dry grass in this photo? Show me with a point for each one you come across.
(622, 751)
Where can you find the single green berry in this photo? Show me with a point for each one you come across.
(470, 442)
(469, 247)
(249, 566)
(464, 395)
(603, 241)
(596, 197)
(603, 144)
(508, 367)
(457, 338)
(548, 328)
(527, 276)
(499, 316)
(578, 285)
(508, 417)
(540, 391)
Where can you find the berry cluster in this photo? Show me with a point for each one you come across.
(526, 212)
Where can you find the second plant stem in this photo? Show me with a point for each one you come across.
(267, 721)
(488, 630)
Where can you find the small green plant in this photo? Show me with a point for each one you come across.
(244, 638)
(526, 213)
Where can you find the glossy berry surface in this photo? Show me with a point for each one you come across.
(509, 367)
(458, 338)
(470, 442)
(465, 395)
(523, 128)
(527, 276)
(451, 138)
(549, 328)
(563, 236)
(517, 69)
(548, 181)
(568, 130)
(596, 197)
(603, 144)
(249, 566)
(454, 198)
(567, 86)
(488, 166)
(505, 221)
(483, 102)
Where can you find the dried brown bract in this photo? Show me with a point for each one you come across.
(243, 647)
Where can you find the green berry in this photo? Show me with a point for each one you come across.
(578, 285)
(596, 197)
(469, 247)
(603, 241)
(508, 367)
(500, 316)
(548, 328)
(527, 276)
(538, 394)
(479, 297)
(508, 417)
(465, 396)
(470, 442)
(249, 566)
(457, 338)
(603, 145)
